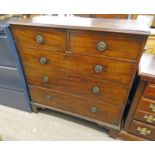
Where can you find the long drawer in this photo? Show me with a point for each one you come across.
(14, 99)
(105, 44)
(40, 38)
(100, 68)
(142, 129)
(83, 86)
(98, 111)
(10, 78)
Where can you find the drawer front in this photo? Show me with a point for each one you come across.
(40, 38)
(6, 56)
(14, 99)
(143, 130)
(98, 111)
(83, 86)
(147, 105)
(145, 117)
(10, 79)
(150, 91)
(115, 71)
(104, 44)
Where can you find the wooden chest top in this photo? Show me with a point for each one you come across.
(91, 24)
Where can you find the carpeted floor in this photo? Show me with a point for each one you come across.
(47, 125)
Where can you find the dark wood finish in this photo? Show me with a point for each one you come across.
(117, 45)
(53, 39)
(105, 112)
(113, 133)
(121, 72)
(145, 104)
(137, 97)
(134, 129)
(123, 135)
(141, 117)
(62, 75)
(88, 24)
(150, 91)
(77, 85)
(144, 117)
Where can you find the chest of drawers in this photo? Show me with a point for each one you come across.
(140, 124)
(80, 66)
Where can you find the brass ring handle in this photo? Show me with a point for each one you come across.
(93, 109)
(98, 68)
(149, 119)
(39, 39)
(43, 60)
(96, 90)
(143, 131)
(152, 107)
(101, 46)
(45, 79)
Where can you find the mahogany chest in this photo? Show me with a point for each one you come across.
(140, 124)
(80, 66)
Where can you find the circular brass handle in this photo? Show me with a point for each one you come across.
(101, 46)
(48, 97)
(39, 39)
(45, 79)
(43, 60)
(93, 109)
(98, 68)
(96, 90)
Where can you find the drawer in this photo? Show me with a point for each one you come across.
(150, 91)
(145, 117)
(115, 71)
(142, 129)
(106, 44)
(40, 38)
(14, 99)
(83, 86)
(10, 78)
(6, 55)
(88, 108)
(147, 105)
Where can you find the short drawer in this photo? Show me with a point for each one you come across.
(147, 105)
(142, 129)
(145, 117)
(40, 38)
(100, 68)
(91, 88)
(14, 99)
(88, 108)
(106, 44)
(10, 78)
(150, 91)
